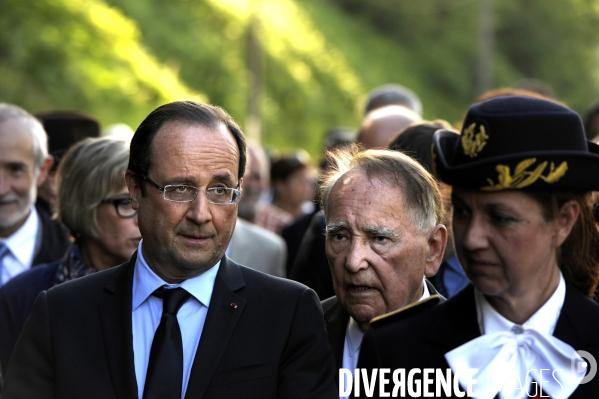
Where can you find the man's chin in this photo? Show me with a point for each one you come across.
(12, 221)
(197, 262)
(364, 315)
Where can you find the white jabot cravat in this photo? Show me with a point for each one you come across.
(511, 356)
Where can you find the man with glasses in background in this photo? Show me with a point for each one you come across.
(179, 319)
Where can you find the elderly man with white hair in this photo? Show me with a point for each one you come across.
(383, 238)
(27, 237)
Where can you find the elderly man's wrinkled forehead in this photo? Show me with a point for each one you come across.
(356, 175)
(389, 179)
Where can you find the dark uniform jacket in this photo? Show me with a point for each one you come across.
(423, 340)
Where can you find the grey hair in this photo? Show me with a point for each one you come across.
(421, 195)
(91, 170)
(39, 138)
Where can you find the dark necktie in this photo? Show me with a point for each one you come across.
(165, 368)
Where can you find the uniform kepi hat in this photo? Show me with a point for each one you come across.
(518, 143)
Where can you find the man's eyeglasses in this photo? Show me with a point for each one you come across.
(122, 205)
(219, 195)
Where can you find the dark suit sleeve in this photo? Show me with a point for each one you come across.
(307, 367)
(30, 372)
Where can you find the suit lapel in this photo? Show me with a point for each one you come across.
(115, 318)
(224, 312)
(336, 320)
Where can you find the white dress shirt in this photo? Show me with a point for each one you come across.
(353, 341)
(21, 248)
(147, 312)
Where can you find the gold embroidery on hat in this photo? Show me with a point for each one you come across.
(474, 143)
(523, 177)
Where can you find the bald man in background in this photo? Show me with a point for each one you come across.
(381, 125)
(392, 94)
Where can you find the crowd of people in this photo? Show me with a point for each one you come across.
(185, 262)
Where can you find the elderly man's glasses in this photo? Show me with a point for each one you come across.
(122, 205)
(219, 195)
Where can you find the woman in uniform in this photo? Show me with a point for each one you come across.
(525, 234)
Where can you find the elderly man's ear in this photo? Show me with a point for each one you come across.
(44, 170)
(437, 241)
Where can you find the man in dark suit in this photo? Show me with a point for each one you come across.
(383, 237)
(225, 330)
(28, 236)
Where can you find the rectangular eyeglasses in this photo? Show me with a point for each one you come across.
(219, 195)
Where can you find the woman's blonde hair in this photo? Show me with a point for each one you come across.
(92, 170)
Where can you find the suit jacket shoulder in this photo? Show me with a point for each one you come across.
(330, 306)
(258, 248)
(311, 266)
(293, 233)
(55, 240)
(265, 337)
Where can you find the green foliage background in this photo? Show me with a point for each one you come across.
(119, 59)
